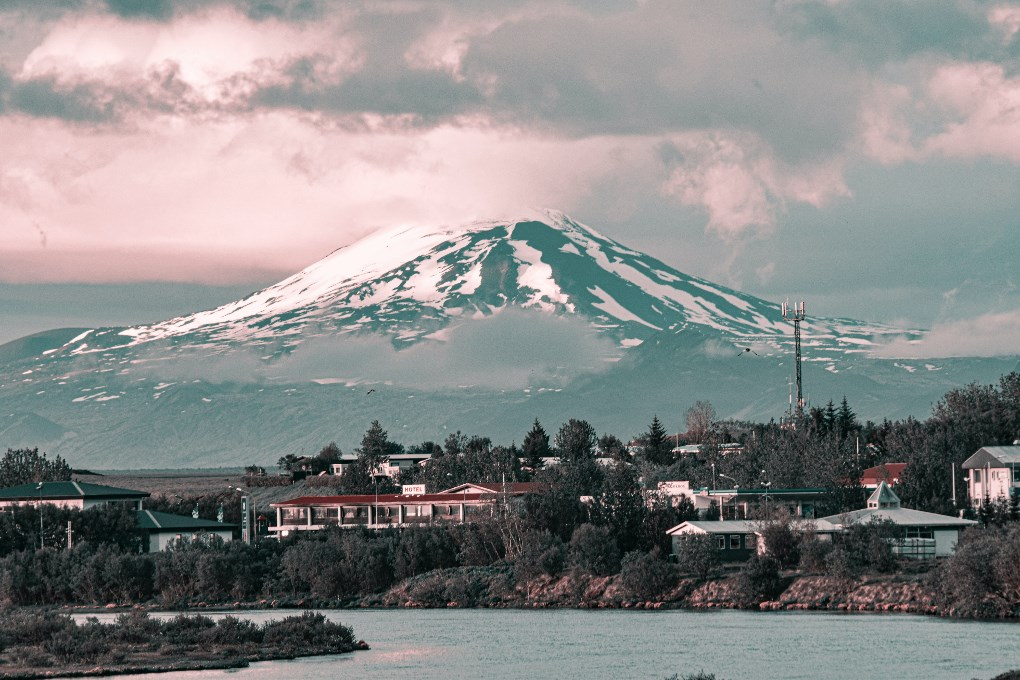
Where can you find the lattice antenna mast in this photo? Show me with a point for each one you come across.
(795, 314)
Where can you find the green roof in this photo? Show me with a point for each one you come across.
(148, 519)
(63, 490)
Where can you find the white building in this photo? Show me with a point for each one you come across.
(925, 534)
(992, 473)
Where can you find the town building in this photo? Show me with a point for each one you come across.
(71, 494)
(922, 534)
(392, 468)
(738, 539)
(992, 473)
(738, 503)
(161, 528)
(456, 505)
(886, 472)
(164, 528)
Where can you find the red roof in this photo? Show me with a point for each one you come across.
(889, 473)
(385, 499)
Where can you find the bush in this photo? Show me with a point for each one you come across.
(698, 555)
(781, 542)
(34, 628)
(306, 630)
(757, 581)
(542, 553)
(814, 553)
(593, 550)
(645, 576)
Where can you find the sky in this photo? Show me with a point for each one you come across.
(159, 157)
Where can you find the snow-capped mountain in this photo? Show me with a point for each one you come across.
(410, 282)
(480, 328)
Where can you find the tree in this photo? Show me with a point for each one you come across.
(21, 466)
(329, 454)
(698, 554)
(700, 418)
(375, 447)
(621, 506)
(657, 447)
(612, 446)
(576, 441)
(846, 420)
(593, 550)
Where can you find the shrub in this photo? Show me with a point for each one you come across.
(231, 630)
(295, 632)
(593, 550)
(645, 576)
(542, 552)
(757, 581)
(34, 627)
(813, 554)
(185, 630)
(698, 555)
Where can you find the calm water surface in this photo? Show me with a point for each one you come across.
(452, 644)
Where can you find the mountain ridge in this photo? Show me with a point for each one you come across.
(431, 330)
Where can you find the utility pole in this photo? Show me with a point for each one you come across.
(796, 315)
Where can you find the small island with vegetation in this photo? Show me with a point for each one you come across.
(39, 644)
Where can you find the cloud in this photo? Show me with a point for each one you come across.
(513, 349)
(987, 335)
(739, 182)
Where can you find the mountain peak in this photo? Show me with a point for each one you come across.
(409, 282)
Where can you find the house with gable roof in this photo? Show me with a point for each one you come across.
(922, 534)
(992, 473)
(70, 494)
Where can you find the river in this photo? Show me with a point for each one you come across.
(458, 644)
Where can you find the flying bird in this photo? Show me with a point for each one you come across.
(746, 350)
(370, 392)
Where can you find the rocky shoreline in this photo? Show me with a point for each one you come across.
(492, 587)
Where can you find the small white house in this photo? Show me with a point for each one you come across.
(164, 528)
(884, 505)
(992, 473)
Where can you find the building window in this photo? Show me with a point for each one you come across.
(735, 542)
(920, 532)
(720, 541)
(750, 541)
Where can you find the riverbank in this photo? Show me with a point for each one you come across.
(494, 587)
(45, 644)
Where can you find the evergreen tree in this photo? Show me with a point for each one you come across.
(536, 446)
(846, 420)
(376, 448)
(20, 466)
(657, 449)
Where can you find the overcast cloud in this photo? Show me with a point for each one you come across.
(859, 154)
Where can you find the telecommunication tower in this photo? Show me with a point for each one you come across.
(795, 314)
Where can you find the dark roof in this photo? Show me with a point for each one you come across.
(993, 456)
(65, 490)
(150, 520)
